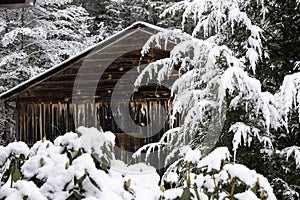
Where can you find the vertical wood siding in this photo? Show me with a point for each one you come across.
(37, 120)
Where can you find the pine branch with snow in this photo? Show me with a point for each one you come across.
(225, 23)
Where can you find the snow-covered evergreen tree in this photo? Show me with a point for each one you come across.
(211, 73)
(119, 14)
(281, 32)
(37, 38)
(107, 12)
(219, 94)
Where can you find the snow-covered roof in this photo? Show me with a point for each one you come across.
(8, 95)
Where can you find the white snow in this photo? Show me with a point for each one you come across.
(3, 155)
(173, 193)
(248, 195)
(20, 189)
(143, 178)
(192, 156)
(288, 151)
(214, 159)
(242, 173)
(243, 134)
(49, 163)
(172, 177)
(250, 177)
(17, 148)
(288, 97)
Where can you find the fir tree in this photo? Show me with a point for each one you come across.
(228, 50)
(37, 38)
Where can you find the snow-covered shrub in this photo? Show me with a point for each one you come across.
(214, 177)
(75, 166)
(11, 156)
(82, 166)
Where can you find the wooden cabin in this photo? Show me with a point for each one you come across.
(79, 91)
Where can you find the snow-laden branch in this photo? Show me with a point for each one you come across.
(221, 19)
(289, 151)
(234, 80)
(11, 36)
(244, 134)
(288, 97)
(162, 39)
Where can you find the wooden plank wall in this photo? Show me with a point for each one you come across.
(37, 120)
